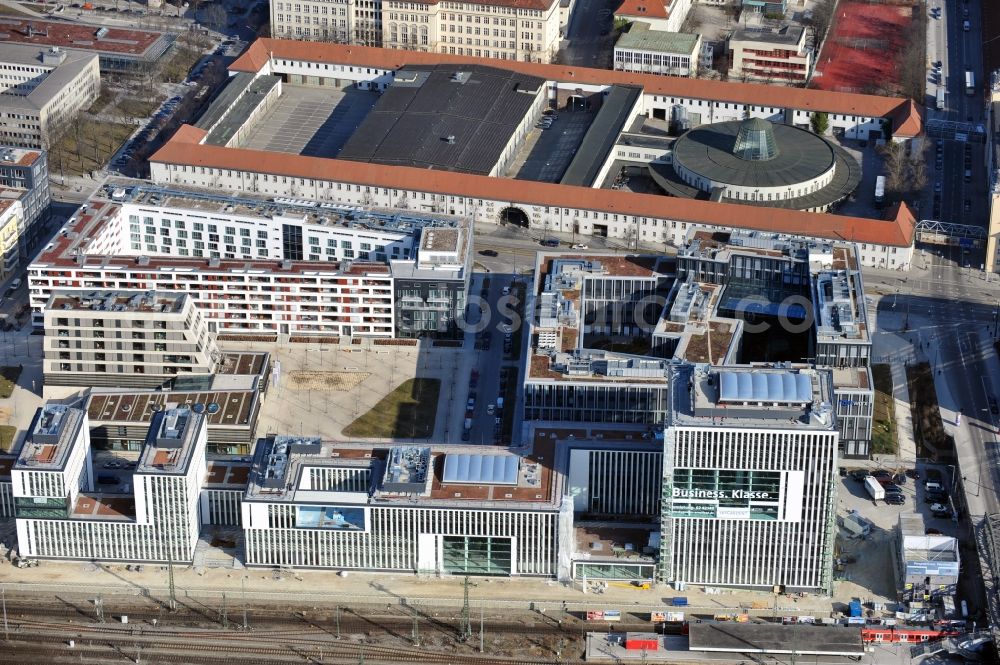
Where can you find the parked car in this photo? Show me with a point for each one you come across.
(858, 474)
(899, 478)
(892, 487)
(488, 252)
(579, 246)
(935, 497)
(895, 499)
(882, 474)
(933, 486)
(940, 511)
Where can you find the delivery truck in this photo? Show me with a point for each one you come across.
(874, 488)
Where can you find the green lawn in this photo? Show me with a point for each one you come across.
(884, 422)
(7, 434)
(408, 412)
(8, 379)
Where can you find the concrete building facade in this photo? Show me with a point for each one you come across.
(502, 30)
(43, 89)
(642, 49)
(776, 56)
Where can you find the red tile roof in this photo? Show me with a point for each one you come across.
(184, 149)
(643, 9)
(76, 35)
(540, 5)
(904, 113)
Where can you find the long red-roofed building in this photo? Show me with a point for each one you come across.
(204, 156)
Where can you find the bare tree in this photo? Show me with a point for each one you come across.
(912, 67)
(905, 175)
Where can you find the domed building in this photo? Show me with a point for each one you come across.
(758, 162)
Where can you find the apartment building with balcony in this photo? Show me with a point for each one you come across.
(261, 268)
(774, 56)
(24, 175)
(11, 216)
(128, 339)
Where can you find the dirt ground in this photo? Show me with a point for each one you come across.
(329, 381)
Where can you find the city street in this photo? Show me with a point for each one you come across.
(958, 51)
(587, 41)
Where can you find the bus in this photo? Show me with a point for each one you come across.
(940, 98)
(970, 82)
(880, 190)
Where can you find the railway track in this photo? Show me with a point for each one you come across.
(210, 646)
(351, 620)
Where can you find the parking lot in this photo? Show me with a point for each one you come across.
(310, 121)
(869, 561)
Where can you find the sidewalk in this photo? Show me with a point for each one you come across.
(893, 346)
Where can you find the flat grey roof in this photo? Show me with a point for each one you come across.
(57, 78)
(224, 100)
(241, 110)
(616, 109)
(788, 35)
(776, 638)
(641, 38)
(447, 117)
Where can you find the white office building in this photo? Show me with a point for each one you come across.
(59, 515)
(460, 510)
(749, 472)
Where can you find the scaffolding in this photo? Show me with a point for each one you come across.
(664, 569)
(986, 529)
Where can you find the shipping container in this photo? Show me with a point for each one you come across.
(854, 608)
(641, 644)
(679, 602)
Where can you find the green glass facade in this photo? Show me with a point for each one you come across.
(476, 555)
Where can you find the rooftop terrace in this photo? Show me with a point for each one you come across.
(170, 444)
(119, 301)
(50, 438)
(96, 38)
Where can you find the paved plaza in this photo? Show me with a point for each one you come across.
(323, 388)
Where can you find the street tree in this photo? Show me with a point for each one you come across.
(820, 122)
(215, 16)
